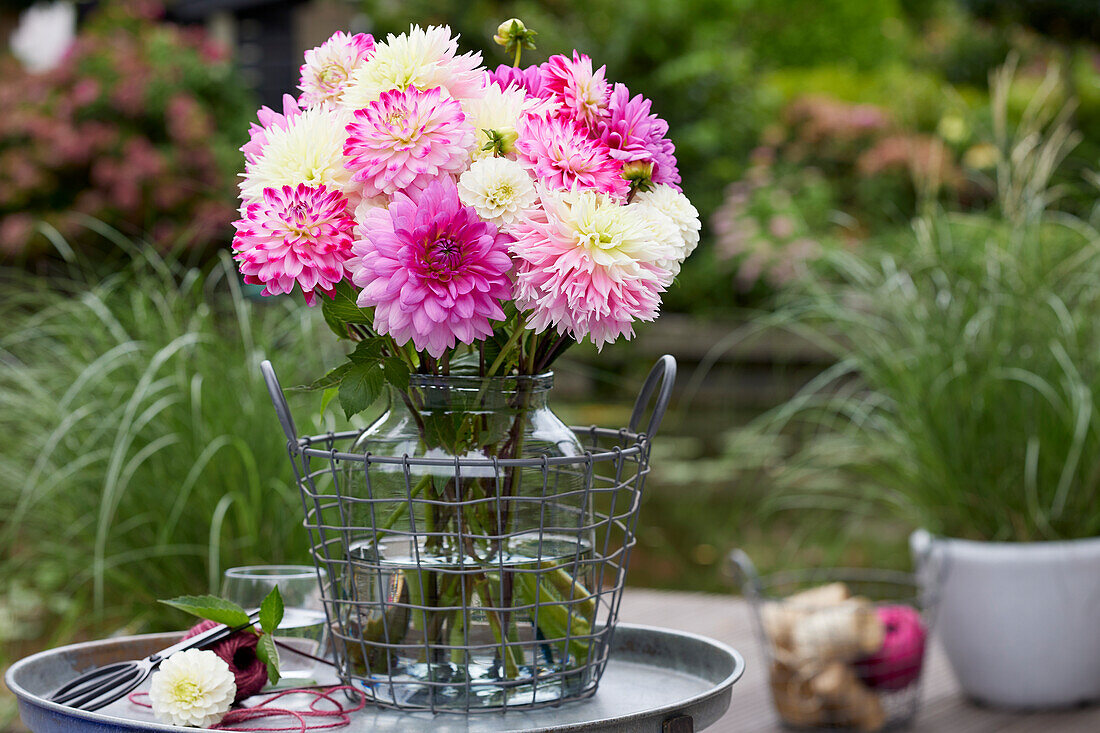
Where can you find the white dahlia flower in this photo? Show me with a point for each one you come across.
(193, 688)
(666, 231)
(500, 190)
(420, 58)
(310, 150)
(677, 207)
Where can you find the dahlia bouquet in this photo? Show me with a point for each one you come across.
(459, 223)
(449, 215)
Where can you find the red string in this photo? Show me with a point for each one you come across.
(340, 714)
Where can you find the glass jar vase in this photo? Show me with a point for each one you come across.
(469, 572)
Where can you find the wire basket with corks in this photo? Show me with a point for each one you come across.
(844, 648)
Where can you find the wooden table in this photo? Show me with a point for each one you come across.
(727, 619)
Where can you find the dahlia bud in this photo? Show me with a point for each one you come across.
(514, 36)
(501, 142)
(640, 175)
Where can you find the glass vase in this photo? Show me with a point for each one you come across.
(464, 566)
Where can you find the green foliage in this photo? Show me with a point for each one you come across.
(914, 98)
(211, 608)
(1073, 18)
(977, 415)
(143, 455)
(964, 397)
(798, 33)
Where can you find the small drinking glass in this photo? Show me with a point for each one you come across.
(301, 635)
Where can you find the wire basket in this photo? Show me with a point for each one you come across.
(844, 647)
(519, 632)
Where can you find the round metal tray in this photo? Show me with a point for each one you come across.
(657, 681)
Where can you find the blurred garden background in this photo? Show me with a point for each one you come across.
(865, 171)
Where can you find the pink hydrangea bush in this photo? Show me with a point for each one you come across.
(136, 127)
(534, 206)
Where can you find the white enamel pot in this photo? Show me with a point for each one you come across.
(1020, 622)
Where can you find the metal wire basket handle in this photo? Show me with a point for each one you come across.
(663, 373)
(282, 410)
(740, 564)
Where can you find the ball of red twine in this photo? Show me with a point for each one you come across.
(239, 652)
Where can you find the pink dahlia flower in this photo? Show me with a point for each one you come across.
(562, 156)
(432, 270)
(528, 79)
(582, 92)
(295, 236)
(633, 133)
(406, 139)
(269, 120)
(329, 66)
(589, 266)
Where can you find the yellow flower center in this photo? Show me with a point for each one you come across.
(186, 691)
(332, 75)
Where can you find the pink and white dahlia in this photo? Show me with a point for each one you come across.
(582, 93)
(423, 59)
(329, 66)
(589, 266)
(633, 133)
(269, 120)
(562, 156)
(432, 270)
(294, 236)
(406, 139)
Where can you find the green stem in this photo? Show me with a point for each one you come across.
(569, 588)
(555, 618)
(400, 509)
(511, 665)
(505, 349)
(519, 50)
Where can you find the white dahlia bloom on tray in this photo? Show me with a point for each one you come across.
(192, 688)
(500, 190)
(421, 58)
(308, 149)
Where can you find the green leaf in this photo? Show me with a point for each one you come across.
(331, 379)
(441, 429)
(212, 608)
(362, 385)
(368, 351)
(396, 372)
(342, 310)
(271, 611)
(327, 396)
(268, 653)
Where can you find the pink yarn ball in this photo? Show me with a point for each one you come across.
(898, 663)
(239, 652)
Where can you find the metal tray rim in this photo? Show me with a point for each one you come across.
(27, 697)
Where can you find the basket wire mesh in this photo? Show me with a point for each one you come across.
(568, 603)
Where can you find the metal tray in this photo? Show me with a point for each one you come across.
(657, 681)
